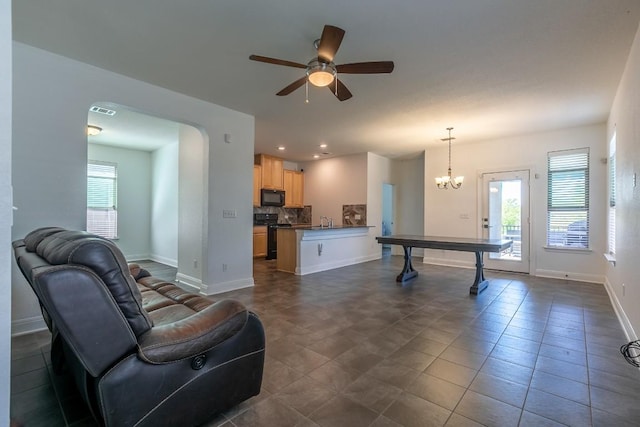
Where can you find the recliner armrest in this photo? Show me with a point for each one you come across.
(193, 335)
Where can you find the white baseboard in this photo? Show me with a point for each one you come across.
(446, 262)
(567, 275)
(218, 288)
(622, 316)
(157, 258)
(552, 274)
(164, 260)
(335, 264)
(137, 257)
(27, 326)
(192, 283)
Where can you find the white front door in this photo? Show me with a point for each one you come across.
(505, 215)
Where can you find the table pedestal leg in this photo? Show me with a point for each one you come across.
(479, 284)
(407, 271)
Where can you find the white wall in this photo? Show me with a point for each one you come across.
(192, 200)
(444, 207)
(164, 204)
(378, 173)
(331, 183)
(624, 120)
(5, 207)
(49, 168)
(134, 197)
(409, 199)
(358, 179)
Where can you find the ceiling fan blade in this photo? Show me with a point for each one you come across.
(376, 67)
(276, 61)
(342, 92)
(293, 86)
(329, 42)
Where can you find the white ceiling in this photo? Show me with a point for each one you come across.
(132, 129)
(489, 68)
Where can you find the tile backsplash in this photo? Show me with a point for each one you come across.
(354, 214)
(288, 215)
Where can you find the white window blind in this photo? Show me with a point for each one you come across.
(102, 199)
(611, 229)
(568, 198)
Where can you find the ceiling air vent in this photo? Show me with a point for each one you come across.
(102, 110)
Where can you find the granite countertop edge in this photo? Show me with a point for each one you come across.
(318, 228)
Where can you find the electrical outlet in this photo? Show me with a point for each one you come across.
(224, 267)
(195, 263)
(229, 213)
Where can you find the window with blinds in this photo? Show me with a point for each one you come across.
(611, 226)
(102, 199)
(568, 199)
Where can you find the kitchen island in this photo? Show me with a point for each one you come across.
(310, 249)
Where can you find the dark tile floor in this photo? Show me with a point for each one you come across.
(350, 347)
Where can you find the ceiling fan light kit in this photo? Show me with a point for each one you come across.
(322, 71)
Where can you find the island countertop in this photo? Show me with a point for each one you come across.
(335, 227)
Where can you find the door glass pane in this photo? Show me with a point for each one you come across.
(505, 216)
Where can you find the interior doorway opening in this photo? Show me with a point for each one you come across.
(387, 225)
(161, 192)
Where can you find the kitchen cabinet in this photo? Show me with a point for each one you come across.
(257, 184)
(293, 189)
(272, 168)
(259, 241)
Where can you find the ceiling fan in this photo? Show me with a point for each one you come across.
(322, 71)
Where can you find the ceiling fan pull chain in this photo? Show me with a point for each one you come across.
(306, 89)
(336, 79)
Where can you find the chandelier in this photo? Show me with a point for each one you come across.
(444, 182)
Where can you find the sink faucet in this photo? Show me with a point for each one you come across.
(329, 222)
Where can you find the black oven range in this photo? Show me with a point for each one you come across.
(271, 221)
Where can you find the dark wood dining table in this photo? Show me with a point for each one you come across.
(478, 246)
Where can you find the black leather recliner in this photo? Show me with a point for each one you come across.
(142, 351)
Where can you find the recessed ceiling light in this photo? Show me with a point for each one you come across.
(281, 147)
(316, 156)
(323, 145)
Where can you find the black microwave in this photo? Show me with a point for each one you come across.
(271, 197)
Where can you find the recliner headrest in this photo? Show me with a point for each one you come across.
(58, 246)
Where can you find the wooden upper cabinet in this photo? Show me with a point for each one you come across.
(257, 184)
(288, 188)
(272, 168)
(293, 189)
(298, 189)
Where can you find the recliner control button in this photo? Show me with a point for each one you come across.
(198, 362)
